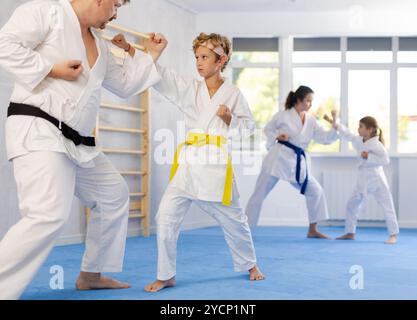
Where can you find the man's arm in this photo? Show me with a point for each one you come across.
(27, 28)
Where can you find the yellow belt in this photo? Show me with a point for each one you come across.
(202, 139)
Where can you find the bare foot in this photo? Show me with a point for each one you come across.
(317, 235)
(347, 236)
(314, 233)
(392, 239)
(93, 281)
(158, 285)
(255, 274)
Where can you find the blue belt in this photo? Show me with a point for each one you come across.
(299, 152)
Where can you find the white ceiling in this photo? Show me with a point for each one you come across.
(202, 6)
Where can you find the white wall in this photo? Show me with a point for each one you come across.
(354, 21)
(407, 177)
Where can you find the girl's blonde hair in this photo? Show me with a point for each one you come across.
(216, 40)
(371, 123)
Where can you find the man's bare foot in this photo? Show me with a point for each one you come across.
(392, 239)
(158, 285)
(347, 236)
(255, 274)
(93, 281)
(314, 233)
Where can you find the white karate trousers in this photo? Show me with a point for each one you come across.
(314, 195)
(383, 197)
(172, 209)
(46, 183)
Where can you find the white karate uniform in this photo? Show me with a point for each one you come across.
(371, 180)
(280, 163)
(200, 177)
(48, 167)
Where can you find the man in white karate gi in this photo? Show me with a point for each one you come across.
(60, 63)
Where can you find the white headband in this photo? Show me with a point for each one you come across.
(219, 49)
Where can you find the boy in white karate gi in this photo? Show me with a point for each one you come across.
(60, 64)
(371, 179)
(202, 172)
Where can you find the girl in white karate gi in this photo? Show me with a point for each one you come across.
(372, 156)
(288, 134)
(202, 173)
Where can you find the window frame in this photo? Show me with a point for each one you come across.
(257, 65)
(285, 67)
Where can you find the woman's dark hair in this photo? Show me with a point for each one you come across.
(298, 95)
(371, 123)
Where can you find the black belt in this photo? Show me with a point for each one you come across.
(69, 133)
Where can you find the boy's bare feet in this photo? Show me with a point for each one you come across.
(392, 239)
(158, 285)
(347, 236)
(93, 281)
(255, 274)
(314, 233)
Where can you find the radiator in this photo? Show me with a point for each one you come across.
(338, 186)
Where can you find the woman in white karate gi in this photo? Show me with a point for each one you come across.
(371, 179)
(214, 109)
(288, 134)
(60, 64)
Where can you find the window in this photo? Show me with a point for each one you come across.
(311, 59)
(316, 50)
(369, 95)
(255, 72)
(407, 110)
(260, 87)
(407, 50)
(369, 50)
(352, 74)
(325, 83)
(255, 50)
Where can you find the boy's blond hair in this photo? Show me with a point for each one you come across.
(216, 40)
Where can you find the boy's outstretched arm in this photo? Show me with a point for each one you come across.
(155, 45)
